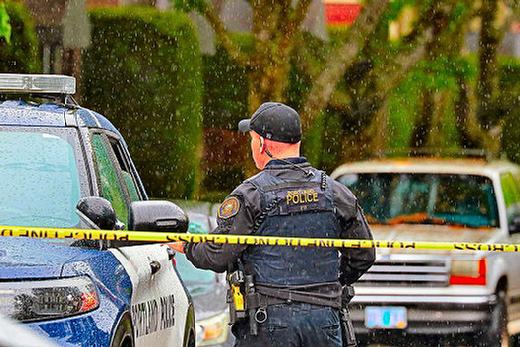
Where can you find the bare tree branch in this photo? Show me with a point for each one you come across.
(376, 100)
(406, 62)
(340, 60)
(291, 26)
(488, 139)
(216, 23)
(265, 18)
(489, 41)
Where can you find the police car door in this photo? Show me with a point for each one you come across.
(159, 304)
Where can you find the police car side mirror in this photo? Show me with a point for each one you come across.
(157, 215)
(97, 212)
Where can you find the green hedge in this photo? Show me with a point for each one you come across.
(143, 70)
(21, 55)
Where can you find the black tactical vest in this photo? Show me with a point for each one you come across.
(303, 208)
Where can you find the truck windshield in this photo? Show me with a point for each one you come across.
(39, 179)
(399, 198)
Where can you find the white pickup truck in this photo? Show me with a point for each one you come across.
(436, 297)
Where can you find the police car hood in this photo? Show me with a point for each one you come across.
(35, 258)
(433, 233)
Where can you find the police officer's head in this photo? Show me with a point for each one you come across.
(275, 131)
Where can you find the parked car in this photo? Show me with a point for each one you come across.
(208, 290)
(62, 165)
(471, 296)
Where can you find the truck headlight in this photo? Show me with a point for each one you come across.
(47, 299)
(468, 272)
(213, 331)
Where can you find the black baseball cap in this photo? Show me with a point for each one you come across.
(274, 121)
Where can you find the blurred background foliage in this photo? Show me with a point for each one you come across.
(19, 53)
(365, 90)
(225, 103)
(5, 25)
(421, 89)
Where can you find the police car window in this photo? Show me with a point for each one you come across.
(40, 180)
(111, 188)
(126, 172)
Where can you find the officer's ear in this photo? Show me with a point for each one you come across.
(262, 145)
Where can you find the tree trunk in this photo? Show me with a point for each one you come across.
(340, 60)
(436, 136)
(71, 66)
(373, 100)
(268, 84)
(367, 102)
(473, 134)
(424, 122)
(489, 40)
(275, 26)
(463, 109)
(446, 43)
(377, 133)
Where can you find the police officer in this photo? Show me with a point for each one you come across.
(297, 294)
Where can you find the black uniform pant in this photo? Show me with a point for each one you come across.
(292, 325)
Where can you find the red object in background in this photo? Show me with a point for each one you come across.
(102, 3)
(343, 14)
(515, 27)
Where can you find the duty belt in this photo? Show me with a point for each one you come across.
(267, 295)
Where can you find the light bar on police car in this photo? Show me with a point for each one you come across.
(37, 84)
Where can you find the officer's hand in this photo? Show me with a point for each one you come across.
(177, 246)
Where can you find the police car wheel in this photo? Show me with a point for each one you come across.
(123, 336)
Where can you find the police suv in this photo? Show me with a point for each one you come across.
(471, 297)
(62, 165)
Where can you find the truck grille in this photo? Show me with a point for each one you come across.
(405, 271)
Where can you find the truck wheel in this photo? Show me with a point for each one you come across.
(496, 335)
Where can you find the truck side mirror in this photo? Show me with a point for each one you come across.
(98, 212)
(157, 215)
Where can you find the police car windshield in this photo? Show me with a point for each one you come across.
(40, 183)
(411, 198)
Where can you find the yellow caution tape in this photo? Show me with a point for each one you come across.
(90, 234)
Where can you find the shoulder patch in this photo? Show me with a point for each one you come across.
(229, 208)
